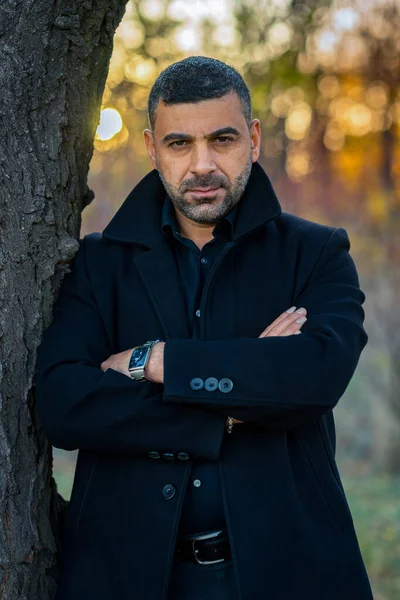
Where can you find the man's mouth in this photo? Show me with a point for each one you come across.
(203, 191)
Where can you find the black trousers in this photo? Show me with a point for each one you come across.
(190, 581)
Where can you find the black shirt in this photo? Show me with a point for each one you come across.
(203, 506)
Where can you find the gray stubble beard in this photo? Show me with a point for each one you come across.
(232, 196)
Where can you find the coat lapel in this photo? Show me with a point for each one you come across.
(158, 271)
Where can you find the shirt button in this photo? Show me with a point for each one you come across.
(204, 261)
(197, 313)
(197, 483)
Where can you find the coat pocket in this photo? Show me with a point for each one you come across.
(325, 474)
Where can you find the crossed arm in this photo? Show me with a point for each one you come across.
(288, 323)
(280, 379)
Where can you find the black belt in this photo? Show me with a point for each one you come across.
(204, 548)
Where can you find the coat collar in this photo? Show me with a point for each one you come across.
(138, 220)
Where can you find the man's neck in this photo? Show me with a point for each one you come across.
(199, 233)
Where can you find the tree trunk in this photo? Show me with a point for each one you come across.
(54, 57)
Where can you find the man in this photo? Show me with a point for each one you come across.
(198, 347)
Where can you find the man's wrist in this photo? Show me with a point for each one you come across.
(154, 369)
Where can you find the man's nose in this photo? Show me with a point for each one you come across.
(202, 161)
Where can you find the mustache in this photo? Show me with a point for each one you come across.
(204, 182)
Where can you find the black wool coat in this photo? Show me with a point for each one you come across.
(290, 527)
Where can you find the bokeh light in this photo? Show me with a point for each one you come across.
(298, 121)
(110, 124)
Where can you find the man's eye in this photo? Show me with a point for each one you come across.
(224, 139)
(177, 144)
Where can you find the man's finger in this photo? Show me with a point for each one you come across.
(285, 320)
(278, 320)
(290, 329)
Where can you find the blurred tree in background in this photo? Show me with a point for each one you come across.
(325, 82)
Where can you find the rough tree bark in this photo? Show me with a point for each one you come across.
(54, 58)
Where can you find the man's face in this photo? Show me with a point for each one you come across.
(204, 152)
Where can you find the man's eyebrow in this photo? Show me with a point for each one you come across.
(175, 136)
(222, 131)
(184, 136)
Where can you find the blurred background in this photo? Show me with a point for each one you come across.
(325, 82)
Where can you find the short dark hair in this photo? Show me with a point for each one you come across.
(194, 79)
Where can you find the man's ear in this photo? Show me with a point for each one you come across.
(255, 137)
(149, 141)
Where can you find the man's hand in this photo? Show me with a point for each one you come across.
(118, 362)
(288, 323)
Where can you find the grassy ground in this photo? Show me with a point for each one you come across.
(375, 506)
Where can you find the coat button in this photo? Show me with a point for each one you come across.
(169, 491)
(183, 456)
(211, 384)
(196, 383)
(225, 385)
(154, 454)
(169, 455)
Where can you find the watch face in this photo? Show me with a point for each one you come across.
(138, 357)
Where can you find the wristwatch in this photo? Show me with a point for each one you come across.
(138, 360)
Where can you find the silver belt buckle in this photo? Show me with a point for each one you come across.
(206, 536)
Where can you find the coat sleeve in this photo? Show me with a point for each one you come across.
(282, 381)
(80, 406)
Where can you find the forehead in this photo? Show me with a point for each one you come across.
(199, 118)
